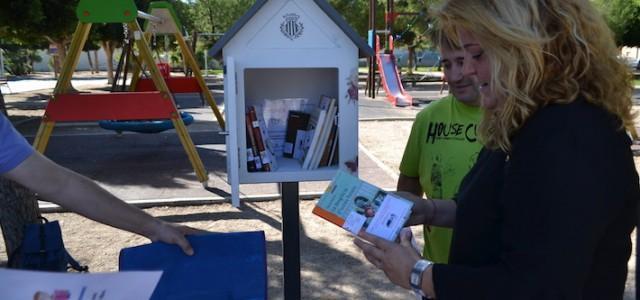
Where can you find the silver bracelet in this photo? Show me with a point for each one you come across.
(416, 276)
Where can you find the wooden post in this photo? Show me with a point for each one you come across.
(191, 62)
(64, 82)
(161, 86)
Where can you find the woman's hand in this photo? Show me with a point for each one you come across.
(395, 259)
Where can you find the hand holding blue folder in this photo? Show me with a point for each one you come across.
(224, 266)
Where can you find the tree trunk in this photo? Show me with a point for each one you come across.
(108, 50)
(90, 62)
(18, 207)
(97, 62)
(411, 59)
(60, 56)
(54, 62)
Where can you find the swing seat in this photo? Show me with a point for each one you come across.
(165, 70)
(144, 126)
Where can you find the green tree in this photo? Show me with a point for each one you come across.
(33, 21)
(217, 16)
(411, 29)
(356, 13)
(623, 17)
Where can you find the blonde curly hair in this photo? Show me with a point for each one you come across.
(541, 52)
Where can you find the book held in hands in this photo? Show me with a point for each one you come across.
(357, 205)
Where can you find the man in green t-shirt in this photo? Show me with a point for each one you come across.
(443, 146)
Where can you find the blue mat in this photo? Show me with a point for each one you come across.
(225, 266)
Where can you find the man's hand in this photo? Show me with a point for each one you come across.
(420, 210)
(395, 259)
(173, 234)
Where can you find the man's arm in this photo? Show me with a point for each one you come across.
(434, 212)
(409, 184)
(79, 194)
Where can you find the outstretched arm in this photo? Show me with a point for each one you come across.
(428, 211)
(79, 194)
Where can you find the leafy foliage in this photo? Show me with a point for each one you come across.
(623, 17)
(32, 21)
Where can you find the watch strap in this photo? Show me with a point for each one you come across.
(416, 276)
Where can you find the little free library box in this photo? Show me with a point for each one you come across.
(285, 56)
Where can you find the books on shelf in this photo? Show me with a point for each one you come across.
(265, 156)
(251, 158)
(333, 157)
(301, 144)
(297, 123)
(325, 113)
(324, 136)
(275, 112)
(356, 205)
(258, 150)
(254, 162)
(291, 128)
(268, 142)
(325, 160)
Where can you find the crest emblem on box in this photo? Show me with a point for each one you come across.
(291, 27)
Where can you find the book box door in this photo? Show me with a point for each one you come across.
(231, 108)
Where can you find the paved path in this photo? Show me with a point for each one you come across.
(144, 168)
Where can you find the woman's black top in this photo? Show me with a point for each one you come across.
(550, 220)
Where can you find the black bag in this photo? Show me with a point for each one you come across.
(42, 249)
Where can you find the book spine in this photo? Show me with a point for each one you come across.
(251, 141)
(333, 158)
(251, 159)
(255, 125)
(268, 145)
(314, 141)
(324, 161)
(324, 137)
(327, 215)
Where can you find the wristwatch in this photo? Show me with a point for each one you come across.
(416, 276)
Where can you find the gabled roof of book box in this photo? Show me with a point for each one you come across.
(364, 49)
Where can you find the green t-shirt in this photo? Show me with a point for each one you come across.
(442, 148)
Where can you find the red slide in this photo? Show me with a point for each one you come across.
(391, 78)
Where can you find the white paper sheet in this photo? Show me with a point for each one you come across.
(19, 284)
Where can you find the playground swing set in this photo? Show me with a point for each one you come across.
(148, 99)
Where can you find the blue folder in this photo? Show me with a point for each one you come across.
(225, 266)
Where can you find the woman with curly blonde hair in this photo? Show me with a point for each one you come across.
(548, 209)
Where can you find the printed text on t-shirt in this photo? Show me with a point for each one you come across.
(456, 131)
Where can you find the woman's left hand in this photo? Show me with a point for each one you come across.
(395, 259)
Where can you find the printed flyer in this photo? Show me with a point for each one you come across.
(21, 284)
